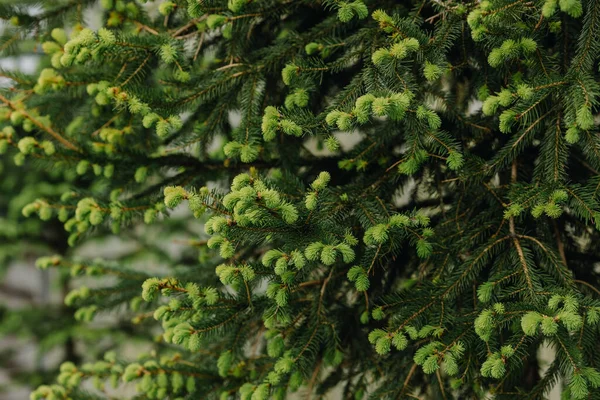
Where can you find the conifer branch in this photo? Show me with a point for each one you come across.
(331, 193)
(43, 127)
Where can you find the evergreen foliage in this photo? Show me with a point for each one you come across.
(399, 199)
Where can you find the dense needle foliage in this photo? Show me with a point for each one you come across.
(355, 199)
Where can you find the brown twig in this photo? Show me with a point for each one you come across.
(37, 123)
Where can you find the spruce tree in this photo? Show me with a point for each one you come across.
(376, 199)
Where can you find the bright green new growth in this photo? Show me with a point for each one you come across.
(399, 199)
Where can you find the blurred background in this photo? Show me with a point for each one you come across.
(22, 286)
(37, 331)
